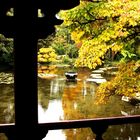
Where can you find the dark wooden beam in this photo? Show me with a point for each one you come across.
(25, 52)
(67, 124)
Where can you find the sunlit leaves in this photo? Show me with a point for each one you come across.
(91, 54)
(126, 82)
(46, 55)
(112, 24)
(77, 35)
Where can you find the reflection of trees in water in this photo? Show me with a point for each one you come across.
(83, 73)
(43, 92)
(56, 88)
(115, 132)
(69, 101)
(78, 97)
(77, 100)
(49, 69)
(79, 134)
(3, 136)
(85, 108)
(7, 113)
(49, 90)
(123, 132)
(77, 105)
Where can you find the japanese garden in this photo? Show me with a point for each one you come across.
(99, 42)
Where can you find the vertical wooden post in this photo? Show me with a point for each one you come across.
(99, 129)
(25, 49)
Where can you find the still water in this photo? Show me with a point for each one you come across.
(60, 100)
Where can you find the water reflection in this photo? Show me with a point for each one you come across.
(118, 132)
(70, 134)
(64, 100)
(55, 135)
(68, 96)
(6, 103)
(61, 100)
(75, 100)
(52, 113)
(123, 132)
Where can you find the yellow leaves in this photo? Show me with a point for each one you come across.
(45, 50)
(102, 27)
(99, 61)
(116, 47)
(92, 52)
(125, 83)
(46, 55)
(103, 91)
(77, 35)
(132, 22)
(127, 79)
(90, 55)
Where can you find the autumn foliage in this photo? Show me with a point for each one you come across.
(46, 55)
(103, 26)
(126, 82)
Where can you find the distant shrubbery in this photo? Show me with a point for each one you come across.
(6, 50)
(46, 55)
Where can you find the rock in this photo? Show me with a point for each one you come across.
(98, 71)
(98, 81)
(6, 78)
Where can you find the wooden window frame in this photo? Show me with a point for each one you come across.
(26, 28)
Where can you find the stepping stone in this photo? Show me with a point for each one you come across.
(98, 71)
(98, 81)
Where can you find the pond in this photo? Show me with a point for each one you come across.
(60, 99)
